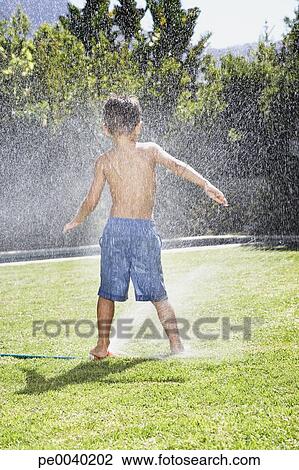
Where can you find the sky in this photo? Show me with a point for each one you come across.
(232, 22)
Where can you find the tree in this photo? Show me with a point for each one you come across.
(115, 71)
(63, 78)
(284, 119)
(168, 63)
(90, 23)
(16, 66)
(128, 18)
(169, 60)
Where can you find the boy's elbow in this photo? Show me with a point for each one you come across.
(154, 146)
(180, 168)
(155, 150)
(89, 205)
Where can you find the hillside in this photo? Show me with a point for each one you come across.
(238, 50)
(46, 11)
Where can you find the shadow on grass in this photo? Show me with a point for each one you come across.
(88, 372)
(281, 243)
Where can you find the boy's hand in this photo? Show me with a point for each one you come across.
(70, 226)
(215, 194)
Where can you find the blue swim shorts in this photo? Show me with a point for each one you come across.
(131, 249)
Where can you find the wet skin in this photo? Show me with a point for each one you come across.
(129, 168)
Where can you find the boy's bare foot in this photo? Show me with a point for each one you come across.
(95, 357)
(99, 354)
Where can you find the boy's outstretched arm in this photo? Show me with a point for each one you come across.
(92, 198)
(186, 171)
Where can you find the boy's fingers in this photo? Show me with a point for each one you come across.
(221, 200)
(218, 197)
(69, 227)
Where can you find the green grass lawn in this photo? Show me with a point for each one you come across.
(228, 394)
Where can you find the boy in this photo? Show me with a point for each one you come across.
(131, 245)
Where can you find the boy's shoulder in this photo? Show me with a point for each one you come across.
(150, 146)
(150, 149)
(100, 163)
(103, 157)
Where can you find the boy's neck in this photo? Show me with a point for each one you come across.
(124, 142)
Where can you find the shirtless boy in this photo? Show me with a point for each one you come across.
(130, 243)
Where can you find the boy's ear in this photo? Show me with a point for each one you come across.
(139, 126)
(105, 130)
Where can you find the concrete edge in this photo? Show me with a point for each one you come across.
(183, 242)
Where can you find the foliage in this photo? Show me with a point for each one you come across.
(114, 71)
(62, 75)
(88, 24)
(16, 66)
(128, 17)
(235, 117)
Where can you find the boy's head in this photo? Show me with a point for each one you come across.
(122, 115)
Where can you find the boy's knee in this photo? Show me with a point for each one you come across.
(105, 301)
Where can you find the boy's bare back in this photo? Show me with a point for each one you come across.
(130, 171)
(130, 174)
(129, 168)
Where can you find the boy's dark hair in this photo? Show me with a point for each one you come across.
(121, 114)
